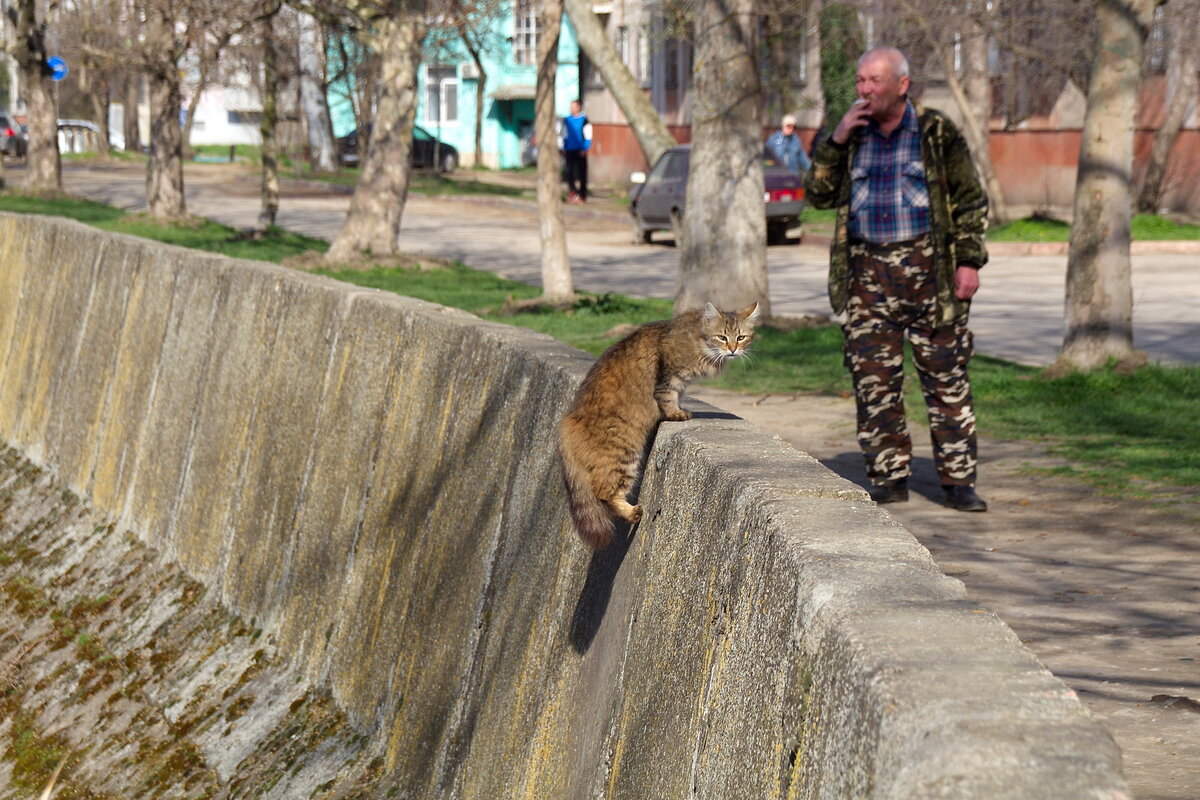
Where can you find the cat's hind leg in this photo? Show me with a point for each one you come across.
(616, 493)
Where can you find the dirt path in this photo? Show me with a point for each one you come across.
(1106, 592)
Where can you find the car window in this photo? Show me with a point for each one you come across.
(677, 168)
(671, 167)
(660, 168)
(421, 135)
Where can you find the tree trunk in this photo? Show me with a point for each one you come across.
(319, 129)
(189, 120)
(43, 171)
(1099, 296)
(812, 101)
(1183, 19)
(164, 168)
(373, 224)
(556, 268)
(270, 144)
(724, 257)
(100, 103)
(973, 96)
(651, 132)
(130, 125)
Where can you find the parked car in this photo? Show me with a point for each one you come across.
(12, 140)
(82, 135)
(657, 200)
(425, 149)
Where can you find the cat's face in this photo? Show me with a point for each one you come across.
(727, 334)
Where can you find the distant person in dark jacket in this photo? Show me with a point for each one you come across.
(787, 148)
(575, 140)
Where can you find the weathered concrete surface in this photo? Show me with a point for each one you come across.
(371, 481)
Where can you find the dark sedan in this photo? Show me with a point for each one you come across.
(426, 153)
(656, 201)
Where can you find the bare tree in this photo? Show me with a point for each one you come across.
(556, 268)
(1099, 298)
(957, 30)
(396, 32)
(315, 107)
(130, 92)
(652, 134)
(162, 48)
(43, 167)
(724, 258)
(270, 142)
(476, 23)
(1183, 33)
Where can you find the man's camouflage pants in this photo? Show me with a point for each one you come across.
(893, 292)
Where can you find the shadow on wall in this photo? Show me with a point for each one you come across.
(598, 587)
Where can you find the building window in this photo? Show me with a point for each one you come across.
(441, 95)
(525, 32)
(643, 62)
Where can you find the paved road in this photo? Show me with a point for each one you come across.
(1017, 315)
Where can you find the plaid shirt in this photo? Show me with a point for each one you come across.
(889, 199)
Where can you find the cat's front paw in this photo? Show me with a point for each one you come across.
(635, 515)
(679, 415)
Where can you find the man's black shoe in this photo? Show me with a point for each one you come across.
(963, 498)
(895, 492)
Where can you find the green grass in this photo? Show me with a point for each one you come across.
(199, 234)
(1122, 432)
(1145, 227)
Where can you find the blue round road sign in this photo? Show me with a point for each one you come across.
(58, 68)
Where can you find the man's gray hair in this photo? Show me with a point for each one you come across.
(893, 56)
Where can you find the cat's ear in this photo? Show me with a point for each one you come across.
(710, 311)
(750, 313)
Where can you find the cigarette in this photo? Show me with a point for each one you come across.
(859, 101)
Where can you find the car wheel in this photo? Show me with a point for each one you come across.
(449, 162)
(677, 226)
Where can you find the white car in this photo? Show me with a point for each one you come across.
(81, 136)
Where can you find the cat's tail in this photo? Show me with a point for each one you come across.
(592, 520)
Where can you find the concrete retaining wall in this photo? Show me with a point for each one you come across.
(373, 480)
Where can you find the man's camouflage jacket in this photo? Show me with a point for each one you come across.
(958, 208)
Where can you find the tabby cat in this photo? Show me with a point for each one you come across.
(632, 387)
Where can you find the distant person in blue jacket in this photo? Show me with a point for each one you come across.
(787, 148)
(575, 140)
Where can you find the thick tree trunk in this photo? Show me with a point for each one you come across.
(1099, 296)
(270, 143)
(43, 171)
(724, 257)
(1183, 19)
(319, 129)
(373, 224)
(556, 268)
(164, 168)
(651, 132)
(129, 124)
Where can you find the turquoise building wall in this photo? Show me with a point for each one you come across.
(508, 109)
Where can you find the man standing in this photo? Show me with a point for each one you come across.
(787, 148)
(905, 258)
(576, 139)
